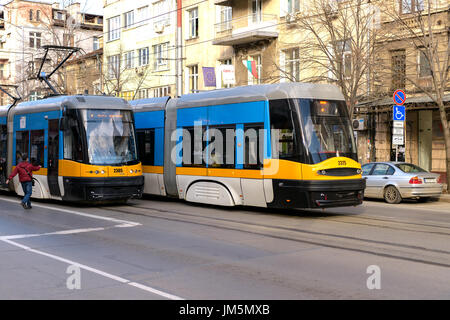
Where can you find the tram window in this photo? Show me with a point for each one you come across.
(3, 142)
(72, 144)
(193, 146)
(37, 147)
(222, 147)
(284, 130)
(253, 146)
(22, 141)
(146, 146)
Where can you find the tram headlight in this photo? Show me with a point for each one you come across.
(97, 172)
(359, 171)
(103, 172)
(322, 172)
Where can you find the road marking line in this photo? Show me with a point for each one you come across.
(124, 222)
(96, 271)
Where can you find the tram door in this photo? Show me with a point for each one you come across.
(53, 157)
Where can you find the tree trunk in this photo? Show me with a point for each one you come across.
(446, 129)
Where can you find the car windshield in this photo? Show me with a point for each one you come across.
(410, 168)
(110, 137)
(327, 130)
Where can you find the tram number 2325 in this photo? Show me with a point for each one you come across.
(118, 170)
(342, 163)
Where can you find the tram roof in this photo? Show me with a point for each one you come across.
(72, 102)
(261, 92)
(151, 104)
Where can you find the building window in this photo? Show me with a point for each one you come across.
(409, 6)
(38, 15)
(31, 15)
(161, 92)
(35, 40)
(226, 15)
(142, 94)
(113, 66)
(142, 15)
(127, 95)
(344, 49)
(293, 6)
(398, 67)
(34, 96)
(292, 64)
(144, 56)
(256, 11)
(114, 28)
(193, 79)
(96, 43)
(160, 55)
(424, 65)
(193, 23)
(160, 12)
(2, 72)
(128, 19)
(128, 58)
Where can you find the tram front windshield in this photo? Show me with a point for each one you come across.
(110, 137)
(327, 130)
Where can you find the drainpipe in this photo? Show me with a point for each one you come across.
(179, 51)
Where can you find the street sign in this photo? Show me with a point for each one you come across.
(399, 97)
(399, 113)
(398, 131)
(398, 140)
(399, 124)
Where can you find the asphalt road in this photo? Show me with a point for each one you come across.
(166, 249)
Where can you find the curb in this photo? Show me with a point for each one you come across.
(445, 198)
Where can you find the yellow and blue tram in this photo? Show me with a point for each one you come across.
(85, 144)
(281, 145)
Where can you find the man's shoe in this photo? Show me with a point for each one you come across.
(24, 205)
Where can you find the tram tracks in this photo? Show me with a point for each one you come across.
(382, 248)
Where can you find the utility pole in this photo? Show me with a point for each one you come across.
(179, 51)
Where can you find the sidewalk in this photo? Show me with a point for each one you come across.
(445, 197)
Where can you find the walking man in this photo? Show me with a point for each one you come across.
(25, 171)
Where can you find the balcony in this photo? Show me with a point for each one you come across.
(245, 29)
(223, 2)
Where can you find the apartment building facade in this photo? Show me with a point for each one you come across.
(29, 25)
(139, 48)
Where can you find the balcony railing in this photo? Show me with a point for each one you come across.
(259, 23)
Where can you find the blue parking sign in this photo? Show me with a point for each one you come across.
(399, 113)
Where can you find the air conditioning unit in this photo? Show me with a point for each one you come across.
(290, 18)
(359, 124)
(159, 27)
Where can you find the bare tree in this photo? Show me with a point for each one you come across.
(422, 25)
(120, 71)
(338, 46)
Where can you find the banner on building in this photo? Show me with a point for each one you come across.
(209, 76)
(228, 74)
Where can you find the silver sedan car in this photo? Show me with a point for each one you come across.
(394, 181)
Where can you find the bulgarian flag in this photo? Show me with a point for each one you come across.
(251, 66)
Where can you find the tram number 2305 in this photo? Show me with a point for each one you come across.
(342, 163)
(118, 170)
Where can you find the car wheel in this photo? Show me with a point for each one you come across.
(392, 195)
